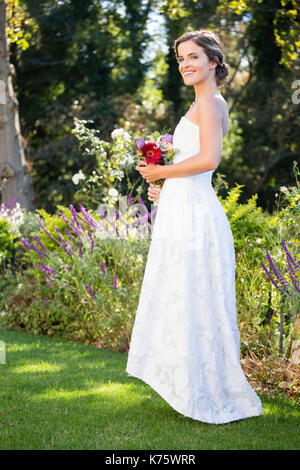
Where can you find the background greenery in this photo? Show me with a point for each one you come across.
(83, 70)
(78, 274)
(113, 62)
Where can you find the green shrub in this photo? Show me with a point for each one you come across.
(86, 292)
(7, 238)
(87, 287)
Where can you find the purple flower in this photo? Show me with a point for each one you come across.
(46, 232)
(63, 242)
(11, 203)
(139, 143)
(31, 246)
(47, 269)
(290, 259)
(294, 282)
(89, 219)
(82, 227)
(44, 270)
(103, 269)
(277, 273)
(71, 237)
(62, 239)
(102, 212)
(271, 279)
(40, 243)
(74, 229)
(288, 253)
(92, 241)
(292, 263)
(75, 216)
(116, 282)
(167, 139)
(66, 250)
(90, 290)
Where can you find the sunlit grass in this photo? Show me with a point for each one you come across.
(60, 395)
(42, 367)
(112, 391)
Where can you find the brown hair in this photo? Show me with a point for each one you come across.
(213, 49)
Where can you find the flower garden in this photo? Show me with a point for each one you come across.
(77, 274)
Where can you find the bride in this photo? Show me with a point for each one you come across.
(185, 341)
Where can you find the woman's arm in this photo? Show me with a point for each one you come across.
(210, 136)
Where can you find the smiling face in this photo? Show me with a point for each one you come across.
(193, 62)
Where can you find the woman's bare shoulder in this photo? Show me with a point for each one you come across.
(210, 105)
(215, 104)
(206, 104)
(224, 111)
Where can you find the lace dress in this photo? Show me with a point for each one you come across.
(185, 341)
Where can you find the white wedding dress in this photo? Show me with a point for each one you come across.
(185, 341)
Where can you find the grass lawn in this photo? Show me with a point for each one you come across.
(61, 395)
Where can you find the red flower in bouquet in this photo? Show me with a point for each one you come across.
(152, 153)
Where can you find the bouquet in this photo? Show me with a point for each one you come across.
(158, 150)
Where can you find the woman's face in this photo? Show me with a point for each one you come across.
(194, 64)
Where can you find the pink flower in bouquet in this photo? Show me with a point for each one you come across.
(167, 139)
(166, 142)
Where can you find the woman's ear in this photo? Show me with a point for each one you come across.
(213, 63)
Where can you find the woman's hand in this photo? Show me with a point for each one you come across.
(149, 172)
(153, 193)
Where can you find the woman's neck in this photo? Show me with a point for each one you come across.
(205, 90)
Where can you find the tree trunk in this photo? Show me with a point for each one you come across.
(14, 180)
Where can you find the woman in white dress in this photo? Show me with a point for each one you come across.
(185, 341)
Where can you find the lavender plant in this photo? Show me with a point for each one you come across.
(86, 275)
(292, 265)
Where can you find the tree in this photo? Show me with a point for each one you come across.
(86, 52)
(14, 177)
